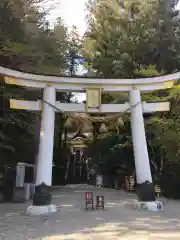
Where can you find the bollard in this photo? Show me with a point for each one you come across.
(89, 199)
(100, 202)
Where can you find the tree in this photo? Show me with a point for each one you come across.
(28, 44)
(74, 44)
(123, 37)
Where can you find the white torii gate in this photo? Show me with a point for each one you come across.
(51, 84)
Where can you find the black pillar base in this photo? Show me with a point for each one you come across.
(145, 192)
(42, 195)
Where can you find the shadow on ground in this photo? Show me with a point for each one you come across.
(72, 221)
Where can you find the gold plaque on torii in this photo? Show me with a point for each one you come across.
(93, 97)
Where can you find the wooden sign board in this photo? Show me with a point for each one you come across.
(93, 98)
(89, 199)
(100, 202)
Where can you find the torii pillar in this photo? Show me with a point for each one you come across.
(42, 197)
(144, 187)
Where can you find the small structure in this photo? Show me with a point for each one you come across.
(77, 165)
(24, 174)
(25, 180)
(99, 180)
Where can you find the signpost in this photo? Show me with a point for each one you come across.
(100, 202)
(89, 199)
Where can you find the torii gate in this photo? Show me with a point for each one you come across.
(42, 198)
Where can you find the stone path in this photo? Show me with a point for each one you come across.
(72, 222)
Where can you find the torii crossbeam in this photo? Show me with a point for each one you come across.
(51, 84)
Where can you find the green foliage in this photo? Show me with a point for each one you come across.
(138, 39)
(147, 71)
(28, 43)
(123, 37)
(112, 152)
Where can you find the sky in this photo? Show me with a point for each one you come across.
(73, 13)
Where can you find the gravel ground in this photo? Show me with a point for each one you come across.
(117, 221)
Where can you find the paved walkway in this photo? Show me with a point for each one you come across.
(72, 222)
